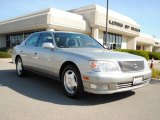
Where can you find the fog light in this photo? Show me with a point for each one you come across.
(103, 87)
(93, 86)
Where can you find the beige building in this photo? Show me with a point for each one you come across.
(123, 32)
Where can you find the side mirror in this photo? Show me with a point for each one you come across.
(48, 45)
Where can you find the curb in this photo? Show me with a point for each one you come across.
(155, 79)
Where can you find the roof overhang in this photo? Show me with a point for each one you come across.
(54, 18)
(96, 17)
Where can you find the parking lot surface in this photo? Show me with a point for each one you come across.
(40, 98)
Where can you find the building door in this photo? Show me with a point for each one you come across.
(113, 41)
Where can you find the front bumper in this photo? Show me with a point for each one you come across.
(13, 59)
(114, 82)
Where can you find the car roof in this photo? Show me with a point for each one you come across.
(58, 32)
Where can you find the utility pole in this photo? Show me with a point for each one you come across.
(105, 36)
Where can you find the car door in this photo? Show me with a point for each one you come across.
(45, 56)
(28, 51)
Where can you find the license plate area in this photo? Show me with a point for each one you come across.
(137, 80)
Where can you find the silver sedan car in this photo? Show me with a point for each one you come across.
(80, 63)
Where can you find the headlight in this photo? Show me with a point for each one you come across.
(103, 66)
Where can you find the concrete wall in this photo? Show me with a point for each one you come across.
(156, 49)
(124, 42)
(143, 38)
(47, 19)
(66, 21)
(119, 30)
(100, 37)
(96, 17)
(148, 48)
(2, 41)
(131, 43)
(90, 15)
(26, 22)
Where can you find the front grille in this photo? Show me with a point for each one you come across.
(130, 84)
(131, 65)
(124, 85)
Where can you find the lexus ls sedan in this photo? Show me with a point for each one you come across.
(80, 63)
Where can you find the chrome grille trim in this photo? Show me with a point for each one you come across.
(128, 66)
(124, 85)
(130, 84)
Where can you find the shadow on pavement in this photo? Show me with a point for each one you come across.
(49, 90)
(154, 81)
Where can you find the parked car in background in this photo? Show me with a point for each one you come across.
(80, 63)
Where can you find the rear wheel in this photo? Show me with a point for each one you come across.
(72, 82)
(19, 68)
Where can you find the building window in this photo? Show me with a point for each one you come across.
(7, 41)
(113, 41)
(138, 47)
(14, 39)
(17, 38)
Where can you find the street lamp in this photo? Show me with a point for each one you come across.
(105, 36)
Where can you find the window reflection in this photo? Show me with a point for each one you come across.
(17, 38)
(113, 41)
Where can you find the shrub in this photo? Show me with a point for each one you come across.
(6, 52)
(155, 73)
(4, 49)
(142, 53)
(5, 55)
(154, 55)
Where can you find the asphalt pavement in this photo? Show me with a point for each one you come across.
(40, 98)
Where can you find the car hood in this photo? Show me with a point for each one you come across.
(103, 54)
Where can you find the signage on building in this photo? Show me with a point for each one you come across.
(118, 24)
(156, 43)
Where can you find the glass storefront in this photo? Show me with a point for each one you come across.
(113, 41)
(17, 38)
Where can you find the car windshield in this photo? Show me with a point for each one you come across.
(73, 40)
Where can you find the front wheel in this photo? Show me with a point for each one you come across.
(72, 82)
(19, 67)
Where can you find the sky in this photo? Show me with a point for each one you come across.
(144, 12)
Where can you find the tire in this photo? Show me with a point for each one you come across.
(72, 82)
(19, 68)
